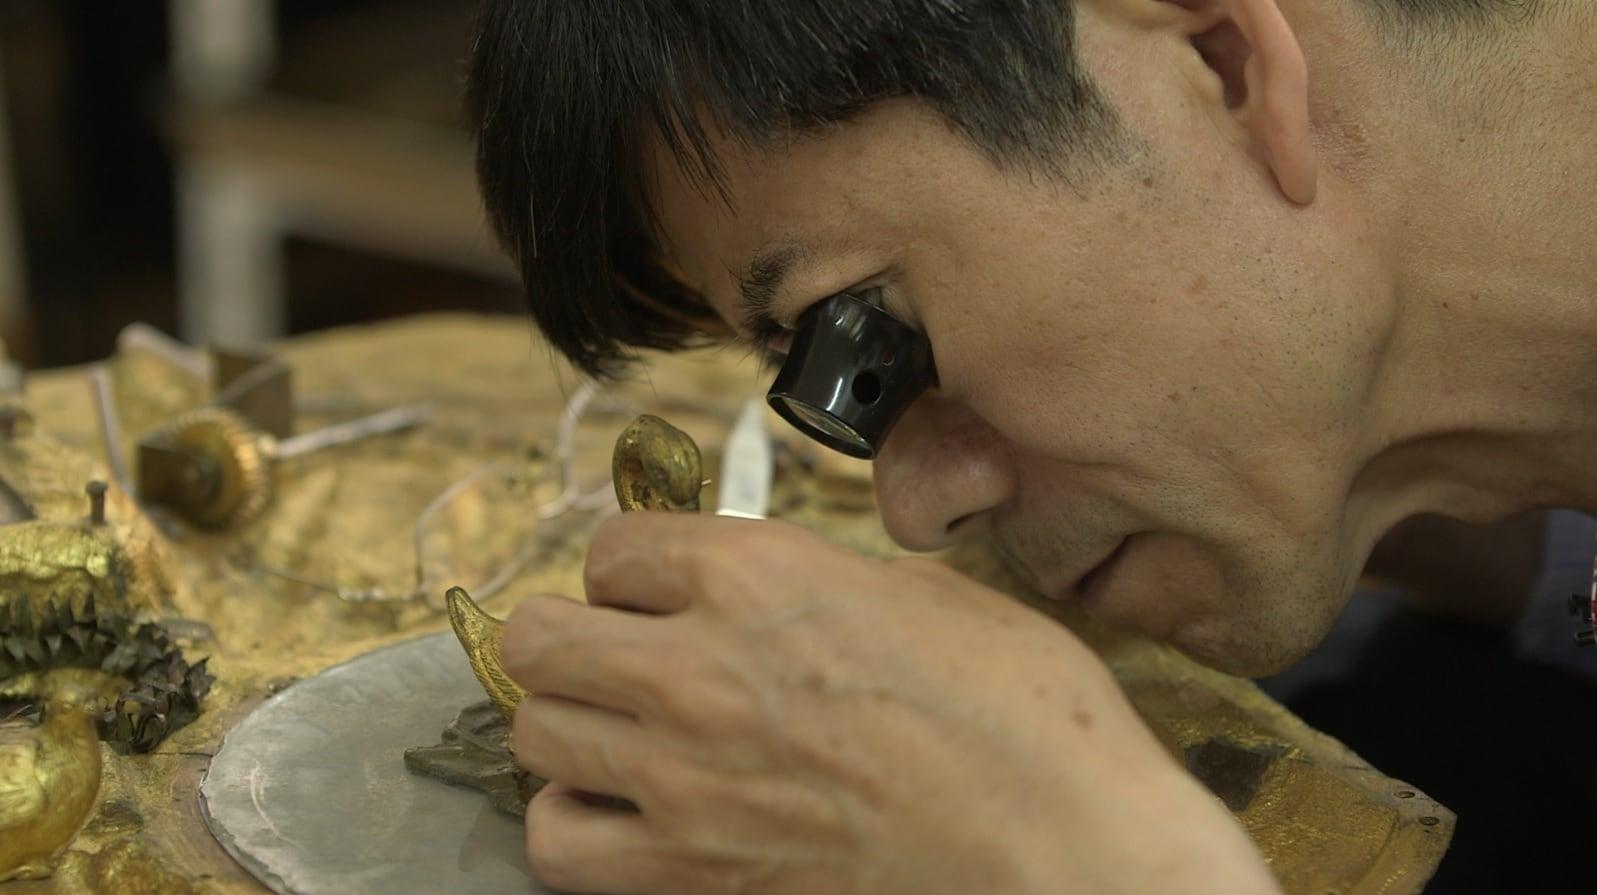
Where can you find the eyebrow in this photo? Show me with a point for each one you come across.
(761, 280)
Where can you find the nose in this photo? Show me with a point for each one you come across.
(941, 466)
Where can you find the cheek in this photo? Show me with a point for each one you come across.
(1218, 369)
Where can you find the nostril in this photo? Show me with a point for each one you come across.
(960, 523)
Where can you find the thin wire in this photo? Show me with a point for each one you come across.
(571, 497)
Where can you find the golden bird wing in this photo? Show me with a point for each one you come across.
(505, 693)
(480, 634)
(21, 794)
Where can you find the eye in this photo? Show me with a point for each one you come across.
(771, 338)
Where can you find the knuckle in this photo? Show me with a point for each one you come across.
(686, 557)
(600, 570)
(658, 783)
(529, 625)
(612, 549)
(770, 539)
(713, 707)
(609, 534)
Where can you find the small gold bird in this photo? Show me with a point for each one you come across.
(656, 467)
(481, 635)
(49, 776)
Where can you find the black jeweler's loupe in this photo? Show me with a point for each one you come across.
(850, 373)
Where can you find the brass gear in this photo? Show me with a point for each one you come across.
(237, 461)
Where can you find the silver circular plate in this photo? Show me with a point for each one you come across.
(310, 791)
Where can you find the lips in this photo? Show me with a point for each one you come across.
(1061, 588)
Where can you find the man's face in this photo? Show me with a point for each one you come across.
(1151, 390)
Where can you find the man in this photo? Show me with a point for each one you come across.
(1218, 292)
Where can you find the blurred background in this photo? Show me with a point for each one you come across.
(233, 170)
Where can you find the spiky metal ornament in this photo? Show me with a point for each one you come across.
(163, 691)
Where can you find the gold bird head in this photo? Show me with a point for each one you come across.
(71, 703)
(657, 466)
(71, 700)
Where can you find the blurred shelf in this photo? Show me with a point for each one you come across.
(380, 183)
(402, 60)
(355, 138)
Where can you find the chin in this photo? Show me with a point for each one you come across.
(1250, 620)
(1247, 647)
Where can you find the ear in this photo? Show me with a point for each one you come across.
(1264, 80)
(1253, 75)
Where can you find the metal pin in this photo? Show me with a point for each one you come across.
(96, 491)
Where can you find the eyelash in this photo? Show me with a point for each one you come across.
(765, 331)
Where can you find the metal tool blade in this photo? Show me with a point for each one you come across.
(746, 466)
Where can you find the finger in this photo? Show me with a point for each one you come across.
(556, 647)
(632, 565)
(574, 845)
(578, 745)
(664, 563)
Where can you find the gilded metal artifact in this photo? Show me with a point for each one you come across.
(473, 754)
(49, 775)
(123, 867)
(656, 467)
(153, 688)
(210, 467)
(213, 467)
(482, 635)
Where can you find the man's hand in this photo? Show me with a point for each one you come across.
(790, 717)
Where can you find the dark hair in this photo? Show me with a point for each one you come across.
(566, 96)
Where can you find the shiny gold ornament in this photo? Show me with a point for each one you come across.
(482, 636)
(49, 776)
(209, 466)
(124, 867)
(152, 688)
(213, 467)
(656, 467)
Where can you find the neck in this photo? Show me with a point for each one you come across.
(1487, 400)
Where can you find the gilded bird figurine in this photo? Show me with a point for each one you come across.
(49, 776)
(481, 635)
(656, 466)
